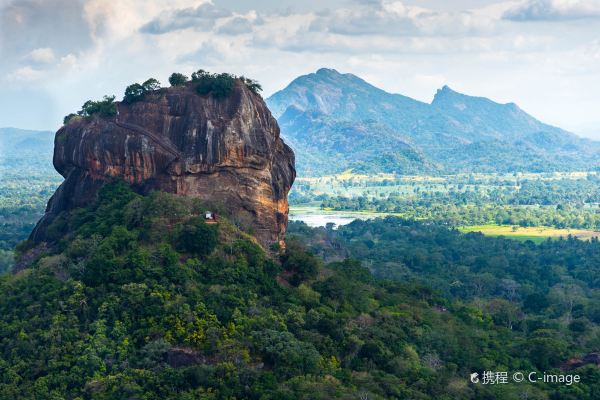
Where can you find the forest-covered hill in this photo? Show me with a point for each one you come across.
(140, 298)
(338, 121)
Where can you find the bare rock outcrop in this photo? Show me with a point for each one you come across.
(227, 152)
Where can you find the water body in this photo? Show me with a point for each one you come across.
(315, 217)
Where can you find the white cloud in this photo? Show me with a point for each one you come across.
(68, 51)
(554, 10)
(111, 20)
(43, 55)
(237, 26)
(26, 74)
(26, 25)
(68, 61)
(394, 18)
(202, 18)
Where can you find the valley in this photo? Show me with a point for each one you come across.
(401, 275)
(519, 205)
(27, 180)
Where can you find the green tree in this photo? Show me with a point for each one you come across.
(134, 92)
(222, 85)
(104, 108)
(197, 237)
(177, 79)
(302, 264)
(151, 85)
(545, 349)
(199, 75)
(218, 85)
(286, 353)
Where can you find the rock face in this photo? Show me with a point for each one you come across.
(227, 152)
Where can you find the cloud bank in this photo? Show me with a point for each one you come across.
(554, 10)
(202, 18)
(64, 52)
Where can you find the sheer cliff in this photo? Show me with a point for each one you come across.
(226, 151)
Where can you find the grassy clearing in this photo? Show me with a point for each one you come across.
(349, 184)
(536, 234)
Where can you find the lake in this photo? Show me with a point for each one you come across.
(315, 217)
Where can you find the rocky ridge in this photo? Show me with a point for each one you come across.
(227, 152)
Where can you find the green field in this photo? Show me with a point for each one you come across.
(536, 234)
(350, 184)
(561, 200)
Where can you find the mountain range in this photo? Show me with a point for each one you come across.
(335, 122)
(26, 150)
(20, 140)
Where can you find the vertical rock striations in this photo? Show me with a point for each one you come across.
(227, 152)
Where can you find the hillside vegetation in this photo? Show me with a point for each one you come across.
(141, 299)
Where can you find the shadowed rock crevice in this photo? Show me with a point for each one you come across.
(227, 152)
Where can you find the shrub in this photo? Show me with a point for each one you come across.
(177, 79)
(253, 85)
(69, 117)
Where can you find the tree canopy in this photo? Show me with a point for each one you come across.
(137, 91)
(177, 79)
(128, 306)
(103, 108)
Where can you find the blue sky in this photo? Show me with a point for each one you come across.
(542, 54)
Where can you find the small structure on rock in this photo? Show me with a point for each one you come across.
(211, 217)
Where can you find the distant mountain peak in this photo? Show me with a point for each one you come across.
(448, 96)
(330, 75)
(446, 92)
(327, 71)
(332, 115)
(334, 76)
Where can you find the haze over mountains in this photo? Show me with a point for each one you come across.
(12, 140)
(335, 122)
(338, 121)
(21, 148)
